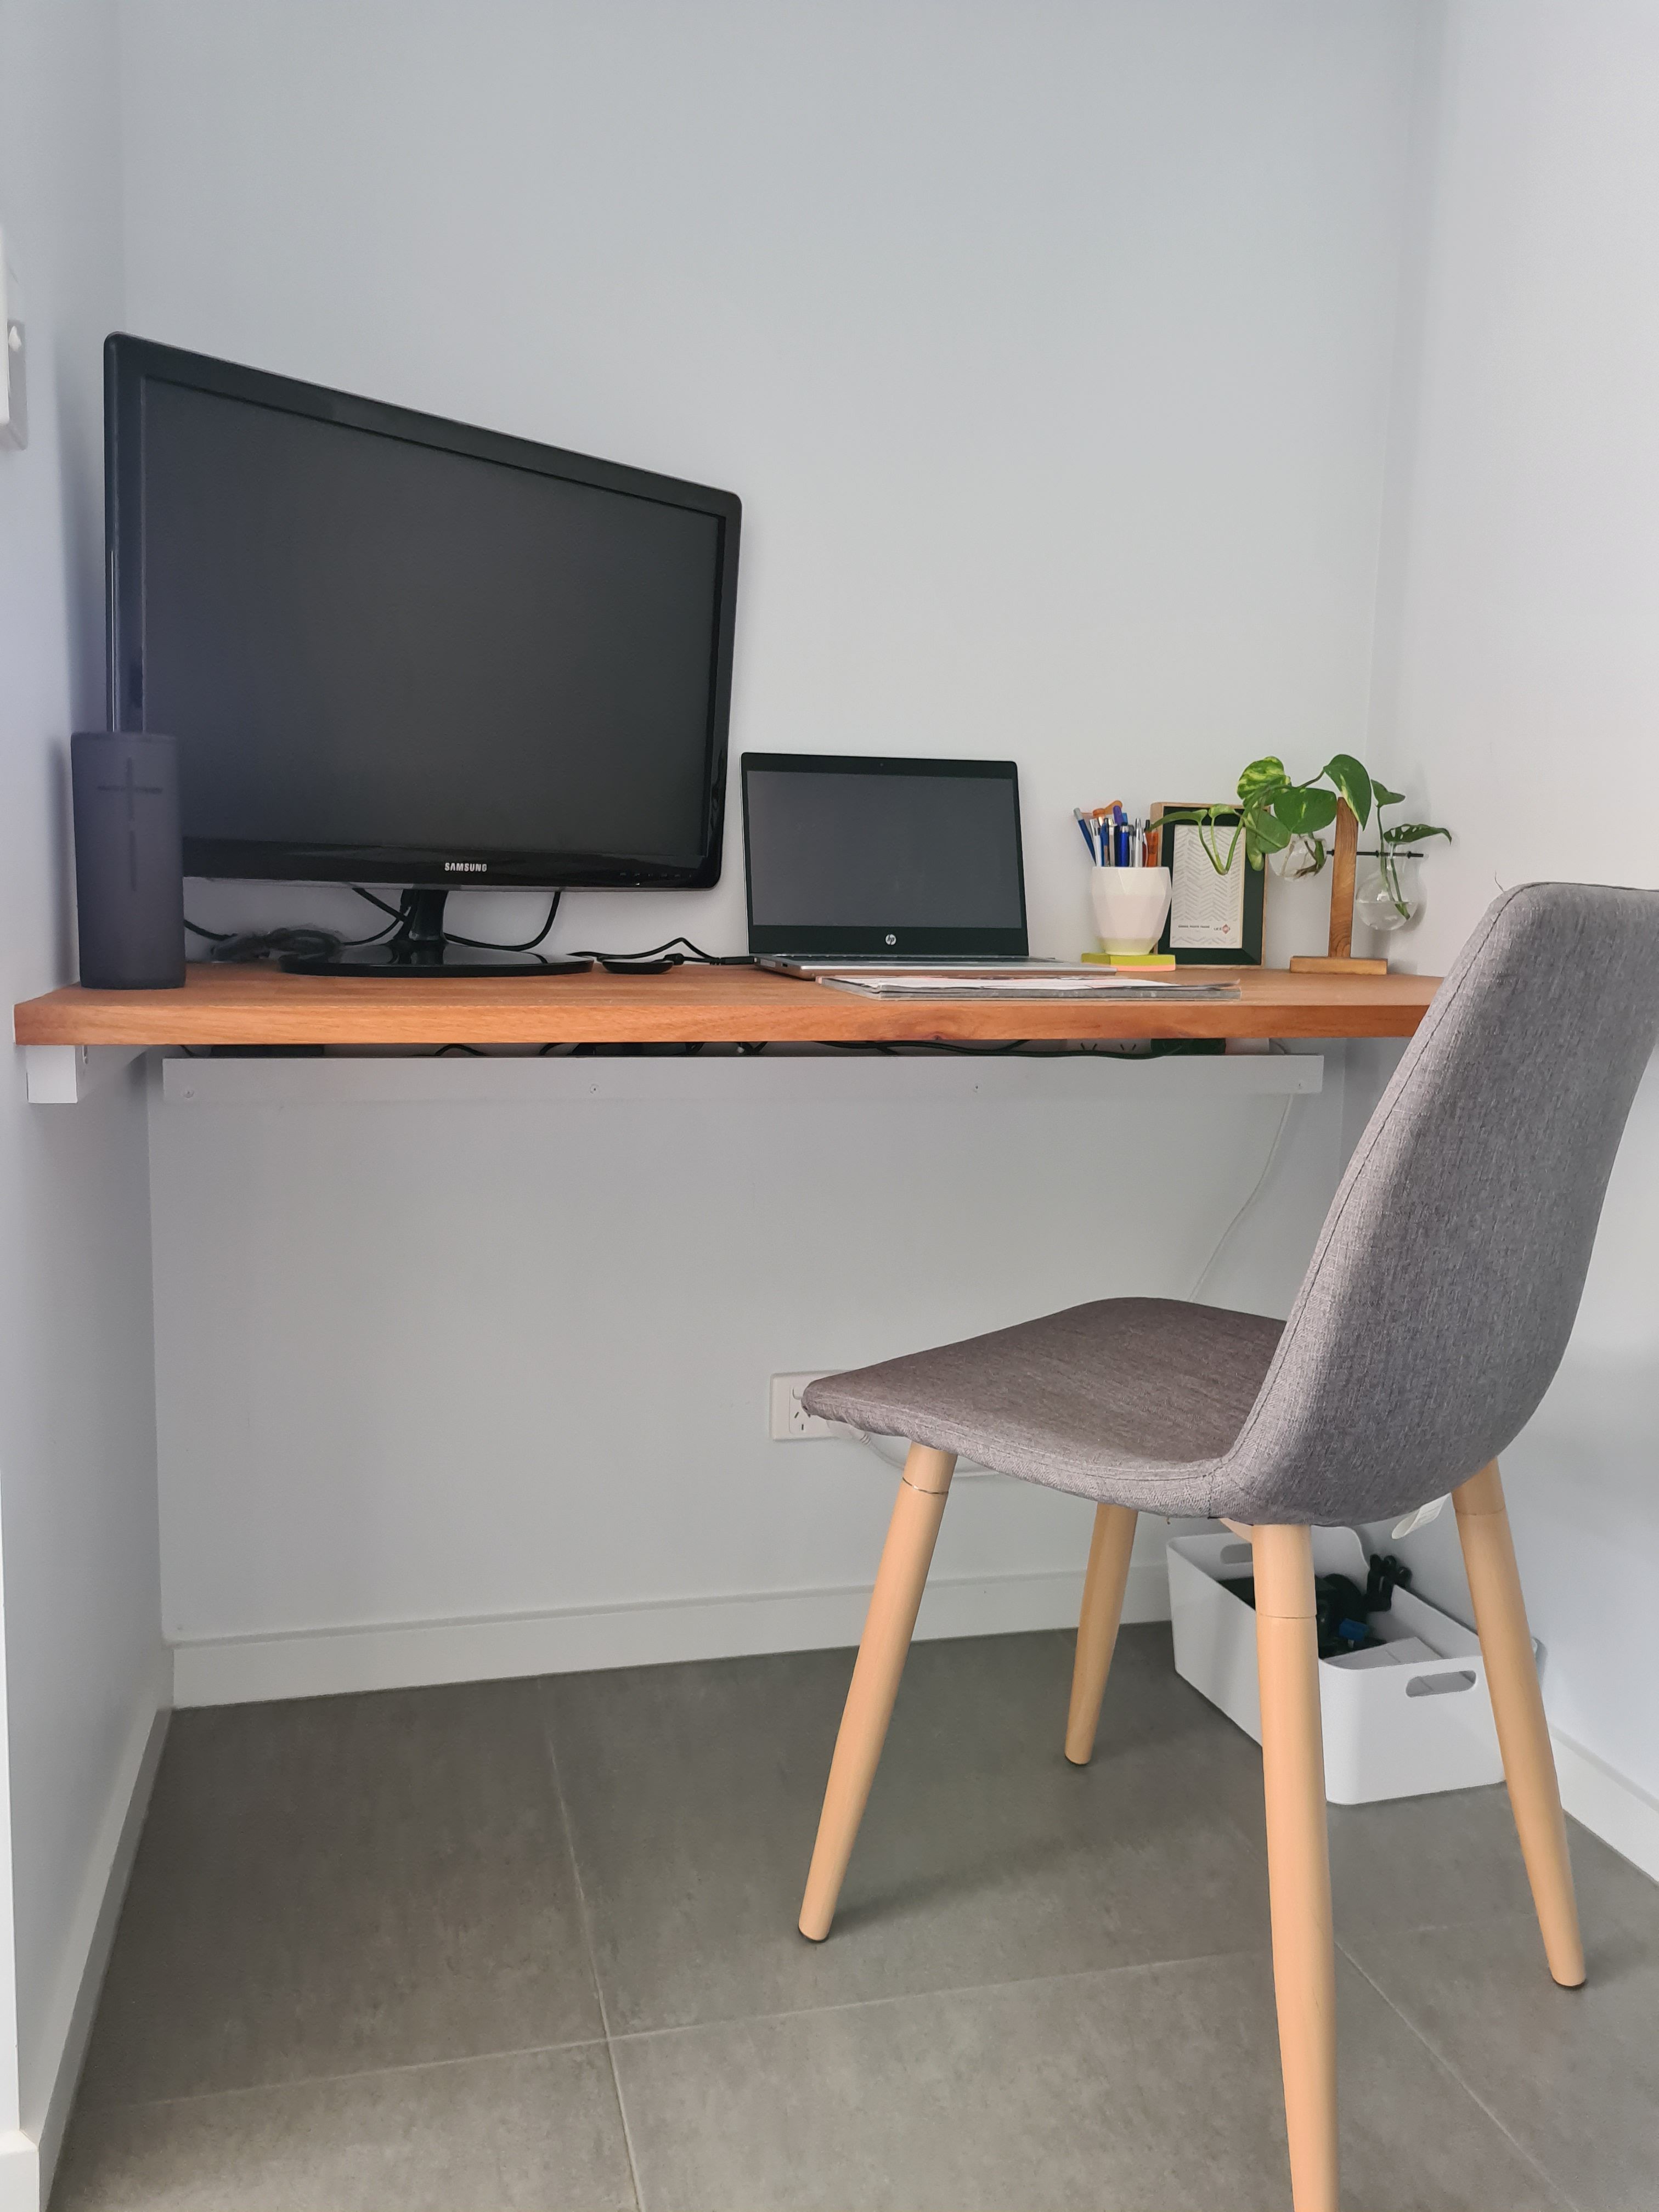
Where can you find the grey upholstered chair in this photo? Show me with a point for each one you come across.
(1433, 1315)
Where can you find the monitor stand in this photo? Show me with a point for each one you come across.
(417, 947)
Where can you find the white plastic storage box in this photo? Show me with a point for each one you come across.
(1390, 1730)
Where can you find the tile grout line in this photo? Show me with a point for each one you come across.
(943, 1990)
(348, 2073)
(543, 1703)
(1444, 2063)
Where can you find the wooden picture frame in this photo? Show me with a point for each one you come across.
(1246, 952)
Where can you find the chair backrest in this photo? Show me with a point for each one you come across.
(1445, 1281)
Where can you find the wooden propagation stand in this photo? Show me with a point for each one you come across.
(1339, 959)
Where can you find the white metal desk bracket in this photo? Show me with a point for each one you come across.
(64, 1074)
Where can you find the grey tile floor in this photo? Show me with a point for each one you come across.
(531, 1945)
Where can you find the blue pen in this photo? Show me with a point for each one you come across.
(1088, 836)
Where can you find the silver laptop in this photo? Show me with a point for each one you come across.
(856, 862)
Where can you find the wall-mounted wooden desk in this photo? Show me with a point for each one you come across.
(687, 1005)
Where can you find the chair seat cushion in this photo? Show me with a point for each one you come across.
(1132, 1400)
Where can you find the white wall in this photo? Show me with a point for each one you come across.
(1519, 695)
(426, 1362)
(84, 1662)
(1050, 350)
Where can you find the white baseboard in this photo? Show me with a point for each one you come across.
(321, 1662)
(19, 2173)
(1608, 1805)
(87, 1954)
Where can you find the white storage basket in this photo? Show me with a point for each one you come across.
(1390, 1731)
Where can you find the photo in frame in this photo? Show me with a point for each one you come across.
(1214, 921)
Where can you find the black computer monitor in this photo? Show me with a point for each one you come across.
(396, 650)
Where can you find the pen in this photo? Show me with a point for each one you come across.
(1083, 824)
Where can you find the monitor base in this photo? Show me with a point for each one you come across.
(437, 971)
(421, 947)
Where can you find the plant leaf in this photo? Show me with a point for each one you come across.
(1263, 833)
(1262, 776)
(1383, 796)
(1302, 809)
(1413, 833)
(1351, 779)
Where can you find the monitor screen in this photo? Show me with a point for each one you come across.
(394, 648)
(848, 855)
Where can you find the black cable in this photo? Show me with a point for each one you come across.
(488, 943)
(1019, 1045)
(578, 1051)
(476, 944)
(270, 939)
(655, 951)
(396, 913)
(231, 935)
(528, 944)
(259, 944)
(253, 945)
(926, 1044)
(240, 946)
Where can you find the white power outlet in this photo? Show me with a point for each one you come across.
(790, 1422)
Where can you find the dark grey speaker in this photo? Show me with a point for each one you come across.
(129, 860)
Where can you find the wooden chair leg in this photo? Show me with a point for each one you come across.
(1298, 1857)
(1096, 1628)
(887, 1627)
(1523, 1736)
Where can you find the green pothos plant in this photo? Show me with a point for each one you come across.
(1273, 812)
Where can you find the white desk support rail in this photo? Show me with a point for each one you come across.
(781, 1078)
(66, 1074)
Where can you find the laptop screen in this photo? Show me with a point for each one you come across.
(901, 858)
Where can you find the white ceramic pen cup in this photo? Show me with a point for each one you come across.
(1130, 905)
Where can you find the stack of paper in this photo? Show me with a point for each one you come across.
(1027, 983)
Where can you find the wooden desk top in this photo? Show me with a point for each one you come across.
(226, 1005)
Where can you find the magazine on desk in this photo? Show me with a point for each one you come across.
(1023, 983)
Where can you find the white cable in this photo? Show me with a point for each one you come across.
(1421, 1518)
(874, 1445)
(1222, 1242)
(964, 1465)
(896, 1459)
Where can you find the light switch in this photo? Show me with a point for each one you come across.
(13, 388)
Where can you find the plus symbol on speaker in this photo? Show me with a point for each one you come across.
(135, 791)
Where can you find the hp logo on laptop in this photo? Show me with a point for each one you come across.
(892, 939)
